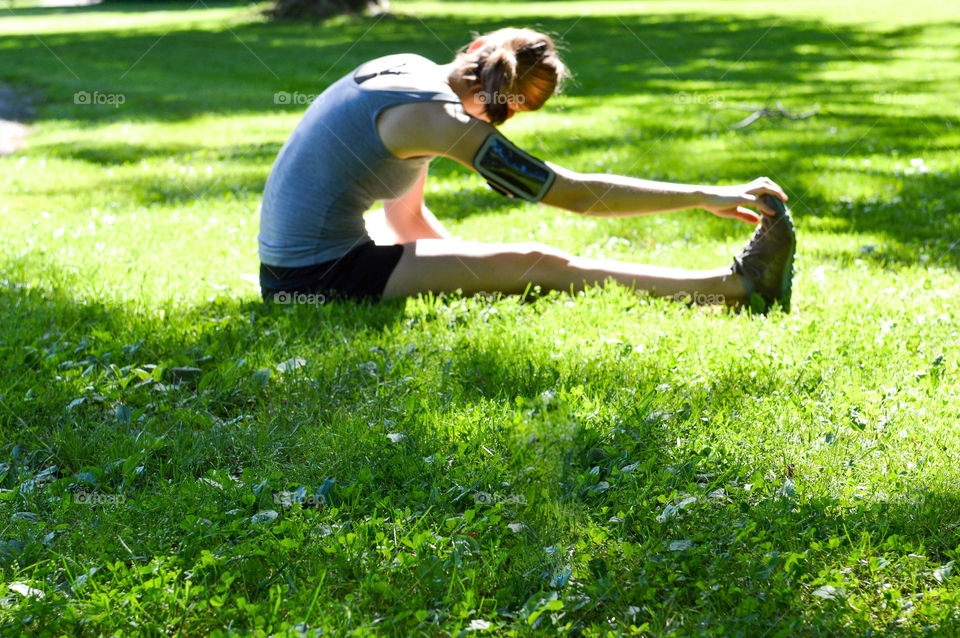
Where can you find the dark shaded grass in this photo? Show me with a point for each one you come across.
(488, 396)
(502, 415)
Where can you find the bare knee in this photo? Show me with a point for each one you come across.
(538, 250)
(541, 264)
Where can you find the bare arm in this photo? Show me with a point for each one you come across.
(409, 219)
(445, 129)
(602, 195)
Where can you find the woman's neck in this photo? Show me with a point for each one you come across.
(451, 74)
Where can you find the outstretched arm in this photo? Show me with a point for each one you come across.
(445, 129)
(602, 195)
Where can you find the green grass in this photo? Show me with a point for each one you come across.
(601, 464)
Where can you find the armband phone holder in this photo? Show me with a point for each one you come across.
(512, 171)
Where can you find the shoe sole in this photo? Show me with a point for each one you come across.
(786, 284)
(786, 281)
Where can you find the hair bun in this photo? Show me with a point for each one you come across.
(501, 65)
(497, 79)
(516, 69)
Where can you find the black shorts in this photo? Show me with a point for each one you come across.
(360, 274)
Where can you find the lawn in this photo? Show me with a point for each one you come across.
(177, 458)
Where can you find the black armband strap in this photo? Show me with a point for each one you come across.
(512, 171)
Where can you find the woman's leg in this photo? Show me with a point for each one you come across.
(441, 265)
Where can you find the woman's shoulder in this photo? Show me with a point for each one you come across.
(432, 127)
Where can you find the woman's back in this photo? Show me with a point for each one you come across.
(334, 166)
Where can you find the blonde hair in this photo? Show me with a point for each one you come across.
(516, 68)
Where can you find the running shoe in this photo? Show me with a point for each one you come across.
(766, 262)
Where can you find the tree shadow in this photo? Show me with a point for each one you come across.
(119, 153)
(642, 444)
(307, 58)
(803, 559)
(672, 56)
(113, 6)
(668, 54)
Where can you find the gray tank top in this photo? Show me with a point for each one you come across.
(334, 166)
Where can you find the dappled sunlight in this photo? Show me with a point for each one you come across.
(554, 463)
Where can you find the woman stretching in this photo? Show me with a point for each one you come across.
(371, 135)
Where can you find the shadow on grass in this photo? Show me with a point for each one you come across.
(754, 553)
(769, 546)
(244, 65)
(117, 153)
(917, 220)
(115, 6)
